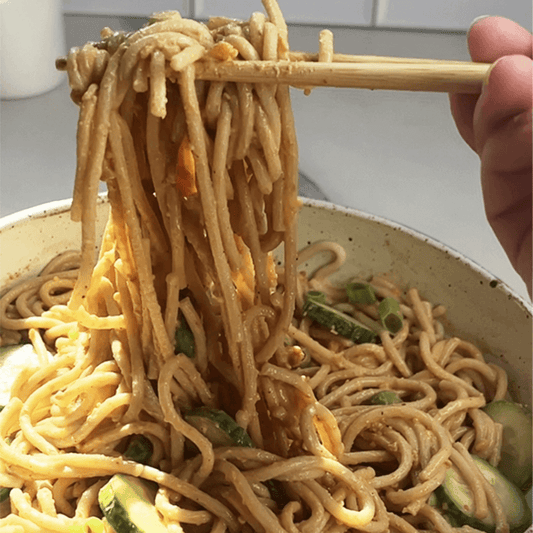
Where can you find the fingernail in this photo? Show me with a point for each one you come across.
(475, 21)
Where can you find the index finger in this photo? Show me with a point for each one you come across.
(488, 39)
(494, 37)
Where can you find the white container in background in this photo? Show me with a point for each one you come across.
(32, 36)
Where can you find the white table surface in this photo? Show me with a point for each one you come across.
(392, 154)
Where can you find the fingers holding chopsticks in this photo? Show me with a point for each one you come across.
(497, 126)
(488, 39)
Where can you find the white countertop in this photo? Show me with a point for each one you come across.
(392, 154)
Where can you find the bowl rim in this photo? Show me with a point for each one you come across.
(62, 206)
(427, 239)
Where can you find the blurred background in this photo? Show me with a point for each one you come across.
(445, 15)
(392, 154)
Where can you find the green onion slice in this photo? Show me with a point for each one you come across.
(390, 314)
(316, 296)
(360, 293)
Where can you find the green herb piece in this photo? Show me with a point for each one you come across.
(140, 449)
(385, 397)
(185, 340)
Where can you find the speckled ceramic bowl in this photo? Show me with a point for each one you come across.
(480, 308)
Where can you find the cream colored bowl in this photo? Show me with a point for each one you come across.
(480, 309)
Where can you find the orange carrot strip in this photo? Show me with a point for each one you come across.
(186, 171)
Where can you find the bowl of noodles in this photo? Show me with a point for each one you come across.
(200, 350)
(482, 317)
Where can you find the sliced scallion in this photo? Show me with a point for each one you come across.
(316, 296)
(390, 314)
(360, 293)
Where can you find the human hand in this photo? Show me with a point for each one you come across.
(497, 126)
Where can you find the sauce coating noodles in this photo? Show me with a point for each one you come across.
(202, 185)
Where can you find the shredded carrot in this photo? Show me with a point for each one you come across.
(223, 51)
(244, 277)
(271, 271)
(298, 399)
(186, 171)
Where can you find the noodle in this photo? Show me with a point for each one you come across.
(202, 185)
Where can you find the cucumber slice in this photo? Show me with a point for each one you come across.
(218, 427)
(13, 359)
(222, 430)
(128, 505)
(517, 448)
(338, 322)
(435, 502)
(457, 501)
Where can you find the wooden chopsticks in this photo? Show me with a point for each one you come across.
(349, 58)
(365, 72)
(303, 70)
